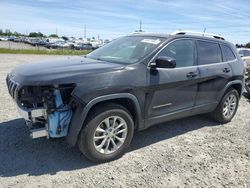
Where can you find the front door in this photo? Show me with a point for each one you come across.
(173, 89)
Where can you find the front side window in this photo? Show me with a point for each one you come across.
(182, 51)
(208, 52)
(127, 50)
(228, 54)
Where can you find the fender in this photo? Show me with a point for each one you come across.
(81, 113)
(229, 85)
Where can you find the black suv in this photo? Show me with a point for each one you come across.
(132, 83)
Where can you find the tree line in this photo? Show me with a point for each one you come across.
(8, 32)
(247, 45)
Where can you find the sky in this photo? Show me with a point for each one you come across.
(110, 19)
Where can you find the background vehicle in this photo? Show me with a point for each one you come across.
(3, 38)
(83, 47)
(247, 81)
(245, 55)
(130, 84)
(11, 38)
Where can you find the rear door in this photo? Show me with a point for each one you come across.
(214, 72)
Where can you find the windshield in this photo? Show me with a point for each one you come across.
(127, 50)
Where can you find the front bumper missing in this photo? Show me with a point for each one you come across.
(37, 133)
(30, 115)
(30, 118)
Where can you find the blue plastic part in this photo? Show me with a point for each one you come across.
(60, 119)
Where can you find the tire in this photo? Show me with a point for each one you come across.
(222, 115)
(247, 86)
(100, 125)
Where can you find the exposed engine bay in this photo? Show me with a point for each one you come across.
(46, 109)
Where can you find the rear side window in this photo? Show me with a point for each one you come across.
(208, 52)
(182, 51)
(246, 53)
(241, 53)
(228, 54)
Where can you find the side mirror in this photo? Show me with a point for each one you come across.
(163, 62)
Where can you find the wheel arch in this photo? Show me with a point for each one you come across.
(238, 87)
(236, 84)
(127, 100)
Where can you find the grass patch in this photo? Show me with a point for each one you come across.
(43, 52)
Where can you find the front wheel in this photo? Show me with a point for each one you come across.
(227, 108)
(107, 134)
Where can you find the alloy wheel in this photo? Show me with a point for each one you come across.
(110, 134)
(229, 106)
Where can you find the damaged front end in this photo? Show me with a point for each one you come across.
(46, 109)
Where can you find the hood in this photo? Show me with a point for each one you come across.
(63, 71)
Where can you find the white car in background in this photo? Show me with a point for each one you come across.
(245, 55)
(3, 38)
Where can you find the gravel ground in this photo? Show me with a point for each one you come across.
(191, 152)
(19, 45)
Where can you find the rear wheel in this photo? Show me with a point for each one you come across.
(107, 134)
(247, 86)
(227, 108)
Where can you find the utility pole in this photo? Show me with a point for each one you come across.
(9, 36)
(85, 31)
(140, 30)
(204, 31)
(56, 30)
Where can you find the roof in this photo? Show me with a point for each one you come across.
(198, 34)
(182, 34)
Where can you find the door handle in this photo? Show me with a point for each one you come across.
(226, 70)
(191, 75)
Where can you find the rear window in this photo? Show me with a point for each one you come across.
(208, 52)
(227, 53)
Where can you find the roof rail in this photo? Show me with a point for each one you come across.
(197, 33)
